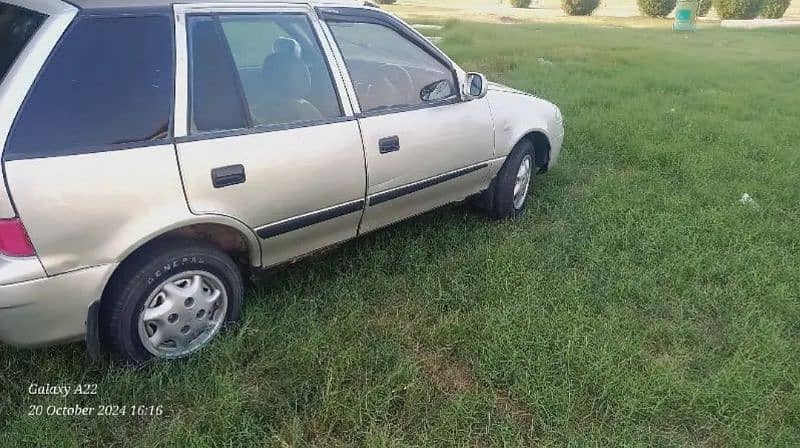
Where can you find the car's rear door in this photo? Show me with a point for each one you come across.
(267, 138)
(424, 145)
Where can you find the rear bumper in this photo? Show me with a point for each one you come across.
(50, 310)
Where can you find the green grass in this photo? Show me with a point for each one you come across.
(636, 303)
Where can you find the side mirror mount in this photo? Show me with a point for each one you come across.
(475, 86)
(437, 91)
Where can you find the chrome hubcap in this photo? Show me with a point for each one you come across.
(182, 314)
(523, 181)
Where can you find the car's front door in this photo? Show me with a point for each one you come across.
(267, 138)
(424, 146)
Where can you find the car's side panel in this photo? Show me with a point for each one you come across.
(290, 173)
(291, 245)
(516, 114)
(93, 209)
(382, 213)
(434, 141)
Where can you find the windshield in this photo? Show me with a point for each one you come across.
(17, 26)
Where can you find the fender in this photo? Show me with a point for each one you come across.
(517, 114)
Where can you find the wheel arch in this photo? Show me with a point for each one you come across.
(541, 147)
(227, 234)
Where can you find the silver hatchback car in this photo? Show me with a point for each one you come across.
(154, 150)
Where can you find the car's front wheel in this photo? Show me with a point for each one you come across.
(170, 301)
(514, 182)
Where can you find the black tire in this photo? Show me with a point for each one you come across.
(139, 276)
(502, 191)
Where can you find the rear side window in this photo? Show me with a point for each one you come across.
(108, 83)
(17, 26)
(257, 70)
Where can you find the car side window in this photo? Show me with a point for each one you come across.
(257, 69)
(109, 82)
(389, 70)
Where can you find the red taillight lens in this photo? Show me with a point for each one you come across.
(14, 241)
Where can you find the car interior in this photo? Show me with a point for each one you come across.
(283, 92)
(292, 83)
(285, 77)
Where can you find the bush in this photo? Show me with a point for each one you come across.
(520, 3)
(703, 8)
(579, 7)
(737, 9)
(656, 8)
(386, 2)
(774, 9)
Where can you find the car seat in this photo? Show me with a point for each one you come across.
(287, 83)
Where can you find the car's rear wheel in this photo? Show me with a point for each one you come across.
(169, 301)
(514, 182)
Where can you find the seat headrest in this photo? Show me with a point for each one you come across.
(286, 75)
(285, 45)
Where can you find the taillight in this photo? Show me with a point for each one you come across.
(14, 241)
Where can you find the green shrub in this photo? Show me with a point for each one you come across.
(520, 3)
(579, 7)
(703, 8)
(656, 8)
(774, 9)
(386, 2)
(737, 9)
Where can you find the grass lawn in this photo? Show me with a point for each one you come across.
(613, 12)
(638, 302)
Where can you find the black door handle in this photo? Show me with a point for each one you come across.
(228, 175)
(389, 144)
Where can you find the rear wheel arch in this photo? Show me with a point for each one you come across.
(241, 245)
(235, 242)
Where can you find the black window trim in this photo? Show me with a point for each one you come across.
(95, 149)
(253, 128)
(248, 118)
(376, 17)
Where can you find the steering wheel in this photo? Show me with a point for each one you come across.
(391, 87)
(398, 79)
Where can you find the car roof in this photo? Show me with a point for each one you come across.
(136, 4)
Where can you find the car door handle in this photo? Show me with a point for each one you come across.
(389, 144)
(225, 176)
